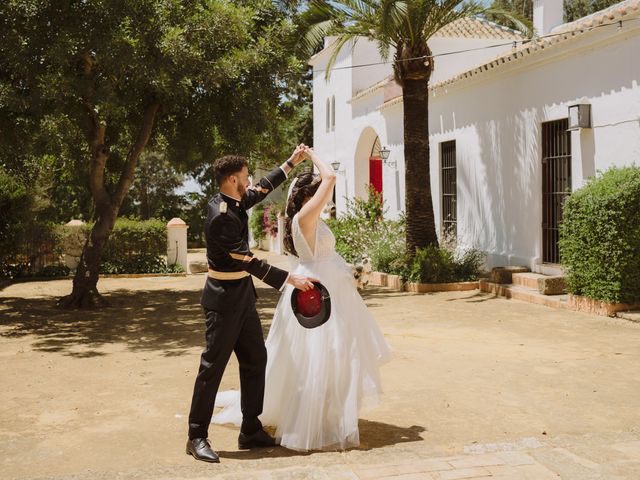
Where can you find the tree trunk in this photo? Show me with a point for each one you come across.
(85, 291)
(145, 209)
(420, 221)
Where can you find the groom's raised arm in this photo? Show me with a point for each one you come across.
(273, 179)
(264, 187)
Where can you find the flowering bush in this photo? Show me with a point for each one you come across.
(269, 226)
(363, 234)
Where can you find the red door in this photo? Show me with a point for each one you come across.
(375, 174)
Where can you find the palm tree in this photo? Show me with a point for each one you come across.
(406, 27)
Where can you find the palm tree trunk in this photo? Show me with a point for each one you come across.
(420, 221)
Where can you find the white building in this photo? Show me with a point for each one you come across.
(501, 154)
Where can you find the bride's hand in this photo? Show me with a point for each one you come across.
(301, 282)
(326, 172)
(298, 154)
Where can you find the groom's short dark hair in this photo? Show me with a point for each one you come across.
(228, 165)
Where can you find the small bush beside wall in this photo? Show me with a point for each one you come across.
(600, 237)
(364, 232)
(440, 265)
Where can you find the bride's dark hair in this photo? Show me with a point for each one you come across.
(306, 186)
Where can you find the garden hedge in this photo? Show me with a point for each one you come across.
(600, 237)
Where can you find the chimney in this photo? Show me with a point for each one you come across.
(547, 14)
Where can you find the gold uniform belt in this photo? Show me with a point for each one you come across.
(227, 275)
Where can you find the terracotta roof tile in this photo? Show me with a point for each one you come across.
(477, 28)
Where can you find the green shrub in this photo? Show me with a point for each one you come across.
(469, 265)
(362, 227)
(25, 239)
(352, 237)
(363, 232)
(370, 209)
(388, 247)
(54, 271)
(600, 237)
(15, 209)
(134, 238)
(442, 265)
(141, 263)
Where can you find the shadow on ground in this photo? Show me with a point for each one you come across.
(155, 320)
(169, 320)
(142, 320)
(476, 297)
(372, 435)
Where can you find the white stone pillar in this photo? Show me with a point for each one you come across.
(177, 243)
(280, 248)
(74, 243)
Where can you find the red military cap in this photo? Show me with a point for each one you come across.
(313, 307)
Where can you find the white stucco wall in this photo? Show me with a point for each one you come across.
(496, 122)
(359, 122)
(450, 58)
(367, 53)
(329, 145)
(495, 118)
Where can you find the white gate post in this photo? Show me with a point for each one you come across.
(73, 244)
(177, 243)
(280, 249)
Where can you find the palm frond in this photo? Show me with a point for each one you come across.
(522, 23)
(341, 41)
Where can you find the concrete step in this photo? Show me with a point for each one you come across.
(551, 269)
(527, 279)
(518, 292)
(545, 284)
(504, 274)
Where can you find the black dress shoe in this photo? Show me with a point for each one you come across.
(260, 439)
(200, 449)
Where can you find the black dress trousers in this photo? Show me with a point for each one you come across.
(237, 331)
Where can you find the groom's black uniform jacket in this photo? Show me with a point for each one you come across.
(228, 254)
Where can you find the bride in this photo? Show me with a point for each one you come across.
(317, 379)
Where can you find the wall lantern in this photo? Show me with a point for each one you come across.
(384, 154)
(335, 165)
(579, 116)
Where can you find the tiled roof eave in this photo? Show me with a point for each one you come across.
(531, 51)
(372, 89)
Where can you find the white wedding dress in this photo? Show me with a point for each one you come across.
(318, 379)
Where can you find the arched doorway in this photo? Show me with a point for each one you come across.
(368, 164)
(375, 167)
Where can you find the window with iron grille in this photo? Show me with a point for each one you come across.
(556, 184)
(449, 187)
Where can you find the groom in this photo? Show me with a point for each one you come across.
(229, 302)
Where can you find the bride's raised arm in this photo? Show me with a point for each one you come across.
(310, 212)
